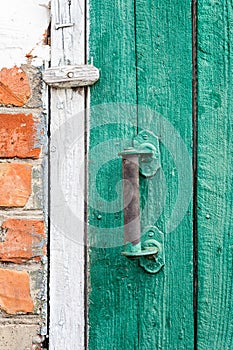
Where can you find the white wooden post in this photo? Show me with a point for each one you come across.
(67, 319)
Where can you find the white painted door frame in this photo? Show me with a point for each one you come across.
(67, 179)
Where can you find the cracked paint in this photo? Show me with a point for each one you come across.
(22, 28)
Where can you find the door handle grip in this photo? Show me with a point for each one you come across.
(148, 246)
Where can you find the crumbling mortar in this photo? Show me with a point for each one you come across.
(30, 320)
(21, 110)
(32, 161)
(30, 266)
(35, 199)
(35, 80)
(3, 233)
(32, 214)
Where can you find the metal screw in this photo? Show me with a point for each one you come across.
(145, 137)
(70, 74)
(150, 233)
(99, 217)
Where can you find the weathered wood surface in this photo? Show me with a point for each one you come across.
(113, 317)
(215, 168)
(67, 326)
(71, 76)
(128, 308)
(164, 75)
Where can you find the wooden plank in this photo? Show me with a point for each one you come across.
(215, 167)
(129, 308)
(113, 279)
(164, 76)
(71, 76)
(67, 326)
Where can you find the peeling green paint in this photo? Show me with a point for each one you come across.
(144, 52)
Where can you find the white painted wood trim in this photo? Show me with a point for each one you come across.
(67, 157)
(71, 76)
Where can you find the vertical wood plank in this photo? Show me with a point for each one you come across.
(67, 326)
(113, 279)
(127, 307)
(215, 167)
(164, 84)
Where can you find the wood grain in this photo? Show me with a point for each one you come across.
(71, 76)
(114, 291)
(128, 308)
(164, 76)
(67, 326)
(215, 167)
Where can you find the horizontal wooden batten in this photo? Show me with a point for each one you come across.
(71, 76)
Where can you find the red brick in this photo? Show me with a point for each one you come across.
(18, 136)
(24, 240)
(15, 184)
(15, 292)
(14, 87)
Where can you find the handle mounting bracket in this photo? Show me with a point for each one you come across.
(149, 252)
(152, 237)
(144, 142)
(148, 247)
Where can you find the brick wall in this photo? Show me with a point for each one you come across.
(22, 227)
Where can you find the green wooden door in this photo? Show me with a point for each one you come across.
(164, 71)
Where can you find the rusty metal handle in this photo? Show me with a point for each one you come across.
(144, 247)
(132, 229)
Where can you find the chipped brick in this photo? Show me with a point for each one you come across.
(14, 87)
(24, 240)
(15, 184)
(15, 292)
(18, 136)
